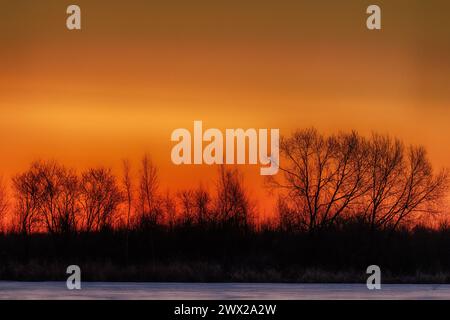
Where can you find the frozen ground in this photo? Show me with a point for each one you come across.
(206, 291)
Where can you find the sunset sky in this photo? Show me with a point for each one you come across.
(140, 69)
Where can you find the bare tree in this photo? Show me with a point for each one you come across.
(323, 176)
(232, 203)
(127, 185)
(4, 203)
(149, 203)
(46, 198)
(170, 209)
(400, 185)
(57, 196)
(99, 197)
(287, 218)
(195, 206)
(202, 201)
(187, 202)
(27, 199)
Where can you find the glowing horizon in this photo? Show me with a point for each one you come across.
(118, 88)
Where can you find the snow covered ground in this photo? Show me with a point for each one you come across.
(207, 291)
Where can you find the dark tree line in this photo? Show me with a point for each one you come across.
(324, 181)
(49, 197)
(331, 191)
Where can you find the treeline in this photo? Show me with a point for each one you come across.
(325, 182)
(344, 202)
(49, 197)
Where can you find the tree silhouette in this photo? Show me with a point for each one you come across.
(323, 176)
(57, 196)
(127, 185)
(202, 203)
(128, 189)
(327, 179)
(324, 181)
(99, 197)
(170, 209)
(187, 203)
(232, 205)
(27, 198)
(400, 185)
(4, 202)
(149, 205)
(195, 206)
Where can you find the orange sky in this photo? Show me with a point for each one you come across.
(139, 69)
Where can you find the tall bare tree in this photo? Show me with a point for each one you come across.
(195, 206)
(202, 202)
(170, 209)
(27, 199)
(57, 194)
(127, 185)
(402, 183)
(323, 176)
(128, 188)
(186, 198)
(100, 196)
(149, 203)
(4, 203)
(232, 205)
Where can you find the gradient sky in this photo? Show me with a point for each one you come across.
(140, 69)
